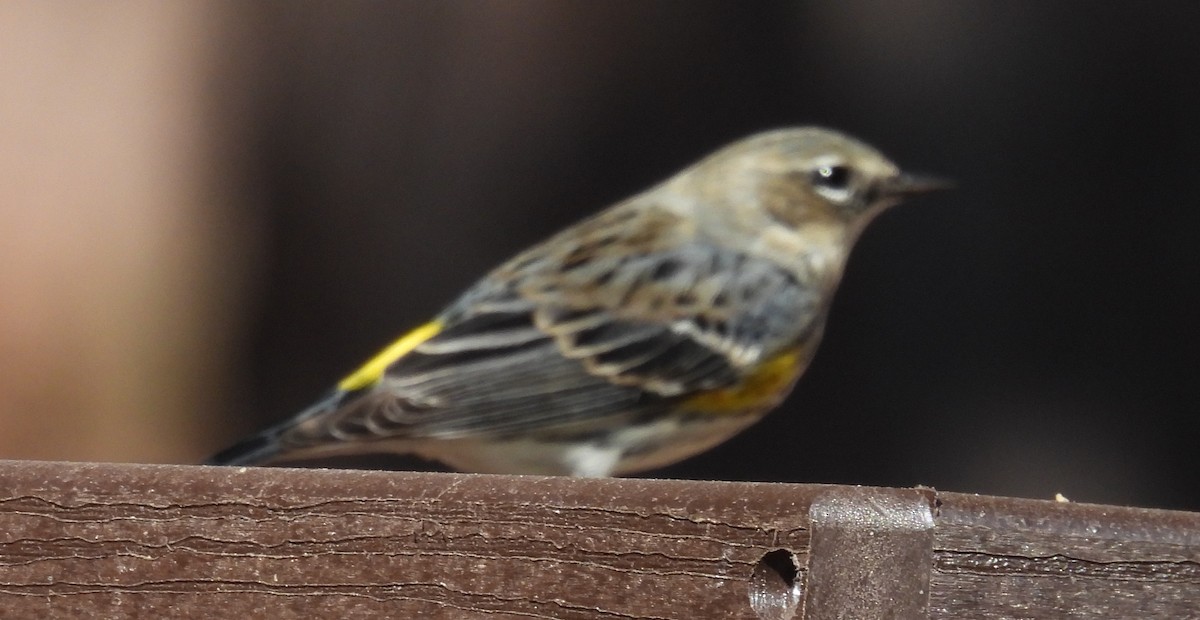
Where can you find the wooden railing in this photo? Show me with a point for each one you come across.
(155, 541)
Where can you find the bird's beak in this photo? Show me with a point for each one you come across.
(905, 185)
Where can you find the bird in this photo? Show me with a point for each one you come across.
(645, 334)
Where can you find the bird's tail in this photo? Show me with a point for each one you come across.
(253, 450)
(268, 445)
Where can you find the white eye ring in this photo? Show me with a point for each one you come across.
(833, 181)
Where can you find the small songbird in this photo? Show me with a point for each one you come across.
(643, 335)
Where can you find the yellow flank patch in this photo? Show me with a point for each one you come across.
(765, 387)
(370, 373)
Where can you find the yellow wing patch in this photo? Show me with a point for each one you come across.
(763, 388)
(371, 372)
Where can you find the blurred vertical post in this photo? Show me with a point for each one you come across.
(119, 248)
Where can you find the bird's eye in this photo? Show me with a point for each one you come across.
(832, 177)
(833, 181)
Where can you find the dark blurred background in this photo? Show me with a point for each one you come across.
(1032, 332)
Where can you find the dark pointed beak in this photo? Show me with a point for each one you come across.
(905, 185)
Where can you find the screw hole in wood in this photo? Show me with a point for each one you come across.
(776, 586)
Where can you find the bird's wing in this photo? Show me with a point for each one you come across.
(514, 353)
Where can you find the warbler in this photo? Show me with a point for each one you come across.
(648, 333)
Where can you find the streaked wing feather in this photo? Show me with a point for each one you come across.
(448, 391)
(530, 388)
(514, 357)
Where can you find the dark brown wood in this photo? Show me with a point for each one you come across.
(871, 552)
(145, 541)
(1041, 559)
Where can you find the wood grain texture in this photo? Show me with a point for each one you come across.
(147, 541)
(93, 541)
(999, 557)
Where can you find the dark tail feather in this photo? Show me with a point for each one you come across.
(253, 450)
(266, 446)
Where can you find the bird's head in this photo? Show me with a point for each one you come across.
(805, 175)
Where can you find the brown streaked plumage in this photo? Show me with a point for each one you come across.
(640, 336)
